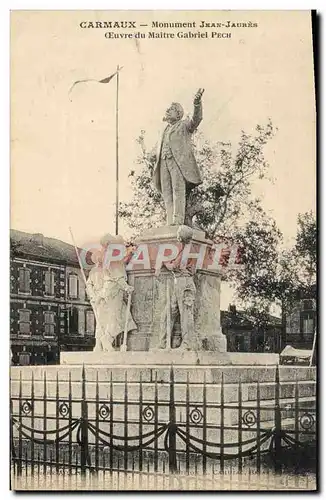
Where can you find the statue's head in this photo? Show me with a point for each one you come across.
(174, 113)
(184, 234)
(109, 239)
(97, 256)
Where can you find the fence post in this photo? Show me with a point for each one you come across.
(125, 450)
(111, 424)
(140, 423)
(12, 443)
(45, 458)
(187, 425)
(172, 428)
(204, 462)
(32, 424)
(97, 423)
(258, 408)
(20, 437)
(156, 424)
(84, 458)
(240, 439)
(222, 425)
(278, 424)
(57, 426)
(70, 424)
(296, 449)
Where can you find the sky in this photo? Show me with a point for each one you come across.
(63, 149)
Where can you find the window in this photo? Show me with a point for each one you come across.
(308, 323)
(49, 283)
(73, 320)
(24, 358)
(307, 305)
(25, 321)
(73, 286)
(49, 324)
(90, 323)
(24, 280)
(239, 343)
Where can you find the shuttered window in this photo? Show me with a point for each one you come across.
(24, 321)
(73, 286)
(49, 283)
(24, 280)
(49, 323)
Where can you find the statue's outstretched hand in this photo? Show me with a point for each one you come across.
(198, 96)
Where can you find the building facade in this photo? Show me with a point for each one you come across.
(243, 336)
(301, 322)
(49, 309)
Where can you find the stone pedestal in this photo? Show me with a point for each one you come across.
(185, 359)
(149, 297)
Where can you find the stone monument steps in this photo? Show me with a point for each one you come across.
(149, 373)
(213, 391)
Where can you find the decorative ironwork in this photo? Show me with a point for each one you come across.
(26, 407)
(128, 433)
(104, 412)
(249, 418)
(148, 413)
(307, 421)
(196, 415)
(64, 409)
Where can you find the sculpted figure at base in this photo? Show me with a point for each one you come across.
(176, 171)
(107, 288)
(180, 301)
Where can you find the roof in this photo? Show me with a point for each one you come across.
(244, 320)
(41, 247)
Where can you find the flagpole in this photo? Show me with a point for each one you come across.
(117, 158)
(107, 80)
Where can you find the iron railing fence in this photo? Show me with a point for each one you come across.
(195, 434)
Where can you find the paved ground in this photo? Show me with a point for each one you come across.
(142, 481)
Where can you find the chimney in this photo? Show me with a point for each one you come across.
(232, 309)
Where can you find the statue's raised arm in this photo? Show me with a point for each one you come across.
(198, 111)
(176, 171)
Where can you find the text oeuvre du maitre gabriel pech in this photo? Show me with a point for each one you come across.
(169, 30)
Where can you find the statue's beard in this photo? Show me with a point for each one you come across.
(169, 119)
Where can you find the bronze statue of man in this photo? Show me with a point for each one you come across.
(176, 171)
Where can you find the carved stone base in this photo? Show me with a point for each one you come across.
(168, 357)
(169, 233)
(149, 297)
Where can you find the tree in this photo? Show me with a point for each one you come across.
(257, 281)
(275, 275)
(285, 275)
(299, 264)
(305, 250)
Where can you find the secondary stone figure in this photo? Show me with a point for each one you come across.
(182, 294)
(106, 287)
(176, 171)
